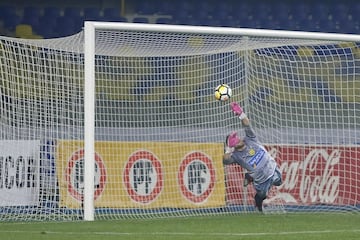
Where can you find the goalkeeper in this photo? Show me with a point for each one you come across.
(261, 168)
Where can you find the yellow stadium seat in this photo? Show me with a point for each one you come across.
(23, 31)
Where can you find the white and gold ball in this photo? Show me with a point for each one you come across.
(223, 92)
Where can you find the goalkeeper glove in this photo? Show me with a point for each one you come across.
(229, 150)
(237, 110)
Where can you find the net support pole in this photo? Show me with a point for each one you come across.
(89, 121)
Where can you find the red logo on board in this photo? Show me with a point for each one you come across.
(74, 175)
(143, 177)
(196, 177)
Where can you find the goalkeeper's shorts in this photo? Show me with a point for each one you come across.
(262, 189)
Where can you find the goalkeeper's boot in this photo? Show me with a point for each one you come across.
(259, 202)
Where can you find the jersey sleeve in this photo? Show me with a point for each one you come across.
(249, 132)
(228, 160)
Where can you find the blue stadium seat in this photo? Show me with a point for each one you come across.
(223, 21)
(340, 17)
(31, 12)
(9, 16)
(270, 24)
(166, 8)
(66, 26)
(164, 20)
(299, 15)
(213, 22)
(7, 10)
(323, 90)
(202, 7)
(181, 16)
(48, 21)
(334, 16)
(320, 11)
(72, 12)
(31, 20)
(92, 13)
(51, 12)
(281, 12)
(261, 94)
(46, 26)
(189, 21)
(325, 25)
(340, 9)
(299, 11)
(140, 20)
(354, 11)
(348, 26)
(222, 12)
(146, 7)
(172, 7)
(332, 49)
(31, 16)
(290, 25)
(47, 30)
(112, 14)
(263, 9)
(243, 8)
(11, 21)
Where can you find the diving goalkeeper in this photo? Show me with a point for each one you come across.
(262, 169)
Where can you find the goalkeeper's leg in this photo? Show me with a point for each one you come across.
(261, 193)
(277, 178)
(259, 198)
(263, 188)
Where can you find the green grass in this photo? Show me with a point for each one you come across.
(245, 226)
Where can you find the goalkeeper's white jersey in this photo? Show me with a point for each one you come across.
(255, 158)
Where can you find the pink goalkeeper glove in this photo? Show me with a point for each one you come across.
(237, 110)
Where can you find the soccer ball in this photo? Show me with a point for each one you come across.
(223, 92)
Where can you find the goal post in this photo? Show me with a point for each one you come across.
(89, 121)
(120, 121)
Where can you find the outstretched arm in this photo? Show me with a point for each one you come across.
(238, 111)
(246, 121)
(227, 152)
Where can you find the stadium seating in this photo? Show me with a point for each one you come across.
(52, 12)
(163, 20)
(92, 13)
(9, 17)
(325, 16)
(141, 20)
(66, 26)
(25, 31)
(113, 14)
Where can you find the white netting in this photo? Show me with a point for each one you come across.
(159, 131)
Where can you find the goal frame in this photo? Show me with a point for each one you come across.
(90, 28)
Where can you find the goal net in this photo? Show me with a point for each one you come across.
(120, 121)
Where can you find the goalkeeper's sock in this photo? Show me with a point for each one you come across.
(259, 202)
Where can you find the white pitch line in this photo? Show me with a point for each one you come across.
(189, 233)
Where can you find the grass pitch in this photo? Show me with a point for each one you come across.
(320, 226)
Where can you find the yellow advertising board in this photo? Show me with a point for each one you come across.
(144, 174)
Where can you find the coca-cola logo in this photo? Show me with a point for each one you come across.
(311, 177)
